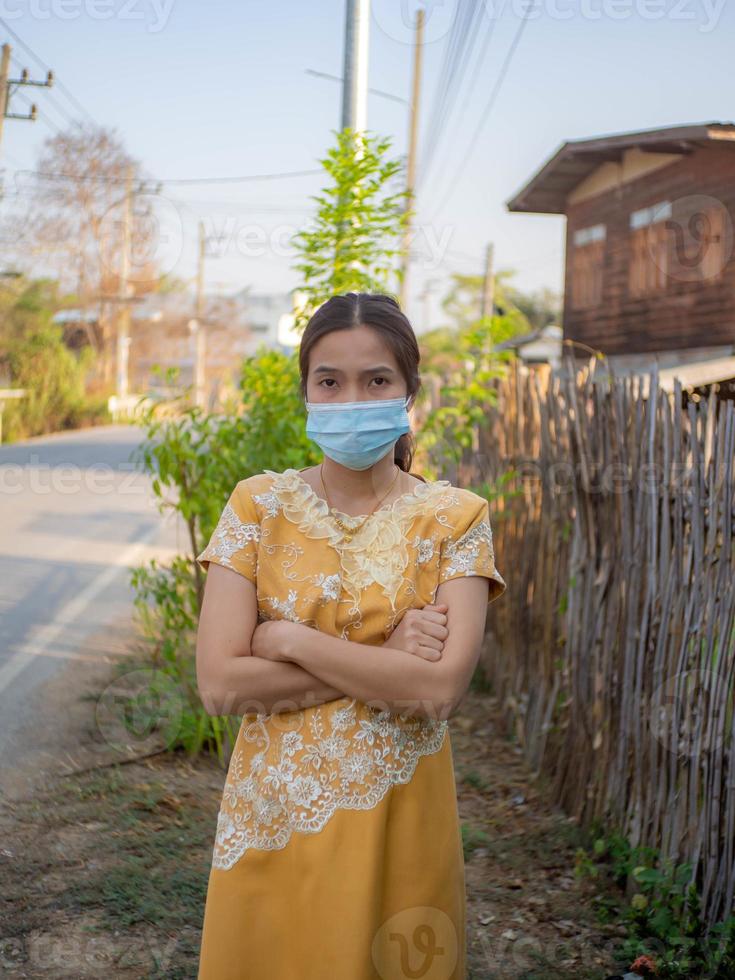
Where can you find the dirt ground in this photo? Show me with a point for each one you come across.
(529, 916)
(104, 872)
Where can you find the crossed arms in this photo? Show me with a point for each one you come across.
(424, 669)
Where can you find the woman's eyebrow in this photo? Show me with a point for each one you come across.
(325, 369)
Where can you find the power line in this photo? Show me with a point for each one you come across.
(48, 97)
(238, 180)
(374, 91)
(254, 178)
(184, 180)
(451, 74)
(60, 85)
(449, 71)
(192, 206)
(479, 61)
(455, 46)
(39, 115)
(486, 112)
(174, 180)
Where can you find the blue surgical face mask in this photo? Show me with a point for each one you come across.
(357, 434)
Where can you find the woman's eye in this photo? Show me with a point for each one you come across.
(332, 382)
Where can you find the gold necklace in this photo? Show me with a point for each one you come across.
(350, 532)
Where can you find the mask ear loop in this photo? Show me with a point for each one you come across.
(317, 406)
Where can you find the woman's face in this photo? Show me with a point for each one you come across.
(353, 365)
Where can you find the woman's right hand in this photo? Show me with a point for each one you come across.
(421, 632)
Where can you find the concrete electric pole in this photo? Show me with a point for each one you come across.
(9, 85)
(4, 71)
(412, 143)
(487, 303)
(355, 75)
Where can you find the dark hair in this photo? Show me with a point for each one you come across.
(381, 312)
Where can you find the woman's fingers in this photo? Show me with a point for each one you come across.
(424, 630)
(433, 622)
(427, 640)
(428, 653)
(430, 628)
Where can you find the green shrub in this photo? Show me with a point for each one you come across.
(54, 379)
(195, 460)
(663, 915)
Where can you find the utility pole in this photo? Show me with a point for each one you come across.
(123, 321)
(412, 143)
(4, 71)
(354, 84)
(9, 85)
(487, 303)
(355, 74)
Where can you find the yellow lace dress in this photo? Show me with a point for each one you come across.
(338, 853)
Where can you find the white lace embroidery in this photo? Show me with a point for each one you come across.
(341, 755)
(379, 552)
(230, 535)
(344, 754)
(286, 607)
(269, 501)
(330, 585)
(425, 549)
(463, 555)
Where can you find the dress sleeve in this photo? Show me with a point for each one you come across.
(234, 541)
(468, 550)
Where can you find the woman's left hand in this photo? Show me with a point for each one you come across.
(270, 639)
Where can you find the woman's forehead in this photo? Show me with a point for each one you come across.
(352, 350)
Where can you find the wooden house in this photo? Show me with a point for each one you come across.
(650, 264)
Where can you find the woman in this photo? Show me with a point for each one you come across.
(343, 616)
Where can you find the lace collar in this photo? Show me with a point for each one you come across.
(303, 506)
(420, 491)
(378, 552)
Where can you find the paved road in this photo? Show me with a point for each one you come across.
(75, 514)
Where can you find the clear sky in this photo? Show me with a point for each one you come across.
(221, 88)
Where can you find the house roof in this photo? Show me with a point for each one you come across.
(695, 375)
(551, 333)
(75, 316)
(547, 191)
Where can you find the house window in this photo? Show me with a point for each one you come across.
(649, 249)
(588, 253)
(651, 215)
(710, 233)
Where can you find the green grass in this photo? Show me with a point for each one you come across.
(142, 871)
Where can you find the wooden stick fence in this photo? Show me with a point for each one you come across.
(615, 652)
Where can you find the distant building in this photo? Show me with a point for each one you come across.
(162, 336)
(80, 327)
(235, 326)
(539, 347)
(268, 316)
(650, 269)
